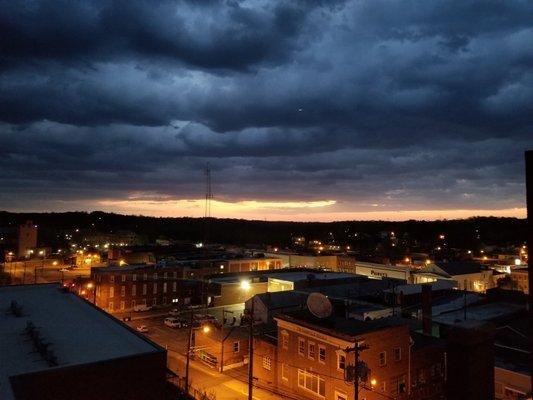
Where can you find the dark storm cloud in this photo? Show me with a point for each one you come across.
(402, 104)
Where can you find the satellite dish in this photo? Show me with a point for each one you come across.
(319, 305)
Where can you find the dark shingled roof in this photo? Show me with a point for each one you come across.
(459, 267)
(342, 328)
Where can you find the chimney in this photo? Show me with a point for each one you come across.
(426, 309)
(529, 200)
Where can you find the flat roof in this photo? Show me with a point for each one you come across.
(303, 276)
(484, 313)
(79, 333)
(342, 328)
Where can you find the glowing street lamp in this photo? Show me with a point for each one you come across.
(245, 285)
(206, 329)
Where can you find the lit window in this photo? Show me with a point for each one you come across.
(123, 291)
(285, 372)
(382, 358)
(267, 363)
(123, 278)
(122, 305)
(311, 350)
(174, 286)
(312, 382)
(321, 354)
(111, 291)
(341, 361)
(383, 386)
(301, 346)
(111, 305)
(134, 290)
(134, 277)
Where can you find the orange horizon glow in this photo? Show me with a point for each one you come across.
(298, 211)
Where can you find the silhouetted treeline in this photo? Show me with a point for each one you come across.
(465, 233)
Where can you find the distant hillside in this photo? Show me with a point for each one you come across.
(459, 233)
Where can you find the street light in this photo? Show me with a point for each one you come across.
(206, 329)
(245, 285)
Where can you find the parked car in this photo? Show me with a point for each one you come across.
(142, 328)
(63, 270)
(141, 307)
(176, 322)
(174, 312)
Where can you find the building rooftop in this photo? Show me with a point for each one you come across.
(303, 276)
(342, 328)
(78, 332)
(459, 267)
(482, 313)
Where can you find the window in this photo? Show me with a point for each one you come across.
(311, 349)
(397, 354)
(133, 303)
(236, 347)
(155, 288)
(134, 290)
(122, 305)
(398, 385)
(164, 300)
(111, 306)
(174, 285)
(134, 277)
(321, 354)
(165, 275)
(175, 274)
(285, 340)
(145, 276)
(267, 363)
(312, 382)
(111, 291)
(154, 301)
(155, 276)
(301, 346)
(144, 301)
(164, 287)
(383, 386)
(144, 288)
(123, 277)
(112, 278)
(382, 358)
(284, 372)
(340, 395)
(122, 291)
(341, 361)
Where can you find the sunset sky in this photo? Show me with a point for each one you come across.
(305, 110)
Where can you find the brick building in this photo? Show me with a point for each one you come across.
(313, 355)
(27, 239)
(118, 289)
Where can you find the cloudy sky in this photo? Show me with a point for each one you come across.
(305, 110)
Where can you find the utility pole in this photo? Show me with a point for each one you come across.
(251, 351)
(355, 372)
(188, 355)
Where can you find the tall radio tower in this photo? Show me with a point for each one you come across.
(208, 194)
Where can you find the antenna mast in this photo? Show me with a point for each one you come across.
(208, 193)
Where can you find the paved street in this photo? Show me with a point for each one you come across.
(226, 386)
